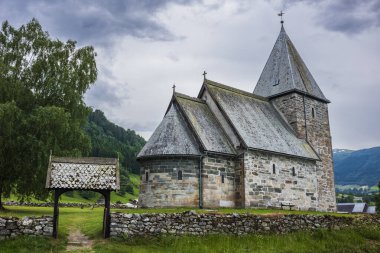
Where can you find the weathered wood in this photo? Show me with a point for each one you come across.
(87, 173)
(56, 213)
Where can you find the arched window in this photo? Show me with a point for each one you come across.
(274, 169)
(312, 113)
(180, 175)
(222, 178)
(146, 176)
(293, 171)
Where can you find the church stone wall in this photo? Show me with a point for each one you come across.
(310, 120)
(163, 188)
(217, 193)
(267, 188)
(318, 135)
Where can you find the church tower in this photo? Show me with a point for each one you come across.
(291, 88)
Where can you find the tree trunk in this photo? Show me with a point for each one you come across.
(1, 202)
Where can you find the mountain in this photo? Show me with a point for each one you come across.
(360, 167)
(110, 140)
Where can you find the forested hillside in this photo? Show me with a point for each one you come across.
(110, 140)
(361, 167)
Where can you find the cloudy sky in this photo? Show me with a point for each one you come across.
(144, 47)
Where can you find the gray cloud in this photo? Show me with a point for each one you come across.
(102, 93)
(141, 53)
(94, 21)
(346, 16)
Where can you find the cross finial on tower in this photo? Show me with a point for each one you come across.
(281, 14)
(204, 75)
(173, 88)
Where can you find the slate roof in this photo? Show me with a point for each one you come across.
(257, 122)
(371, 209)
(83, 173)
(171, 137)
(206, 126)
(285, 71)
(352, 207)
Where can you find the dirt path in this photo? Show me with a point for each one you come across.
(77, 241)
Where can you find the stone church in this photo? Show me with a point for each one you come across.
(232, 148)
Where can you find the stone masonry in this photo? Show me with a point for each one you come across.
(274, 179)
(164, 188)
(13, 227)
(219, 182)
(310, 120)
(145, 225)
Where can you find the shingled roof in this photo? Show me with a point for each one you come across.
(206, 126)
(83, 173)
(285, 71)
(257, 122)
(188, 128)
(171, 137)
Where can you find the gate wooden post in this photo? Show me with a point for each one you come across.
(56, 213)
(107, 214)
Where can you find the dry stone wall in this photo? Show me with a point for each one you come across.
(13, 227)
(132, 225)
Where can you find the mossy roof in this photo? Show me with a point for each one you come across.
(257, 123)
(205, 125)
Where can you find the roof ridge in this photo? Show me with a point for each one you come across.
(82, 160)
(184, 96)
(239, 91)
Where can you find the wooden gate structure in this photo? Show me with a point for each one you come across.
(86, 173)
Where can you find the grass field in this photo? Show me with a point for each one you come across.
(90, 223)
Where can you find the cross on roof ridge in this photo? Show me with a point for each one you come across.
(281, 14)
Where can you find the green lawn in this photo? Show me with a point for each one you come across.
(90, 223)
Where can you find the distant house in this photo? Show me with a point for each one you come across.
(371, 209)
(355, 208)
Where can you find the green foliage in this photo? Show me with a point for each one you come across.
(110, 140)
(345, 198)
(42, 83)
(88, 194)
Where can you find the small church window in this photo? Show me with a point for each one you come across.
(180, 175)
(293, 171)
(312, 113)
(277, 82)
(274, 169)
(146, 176)
(222, 178)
